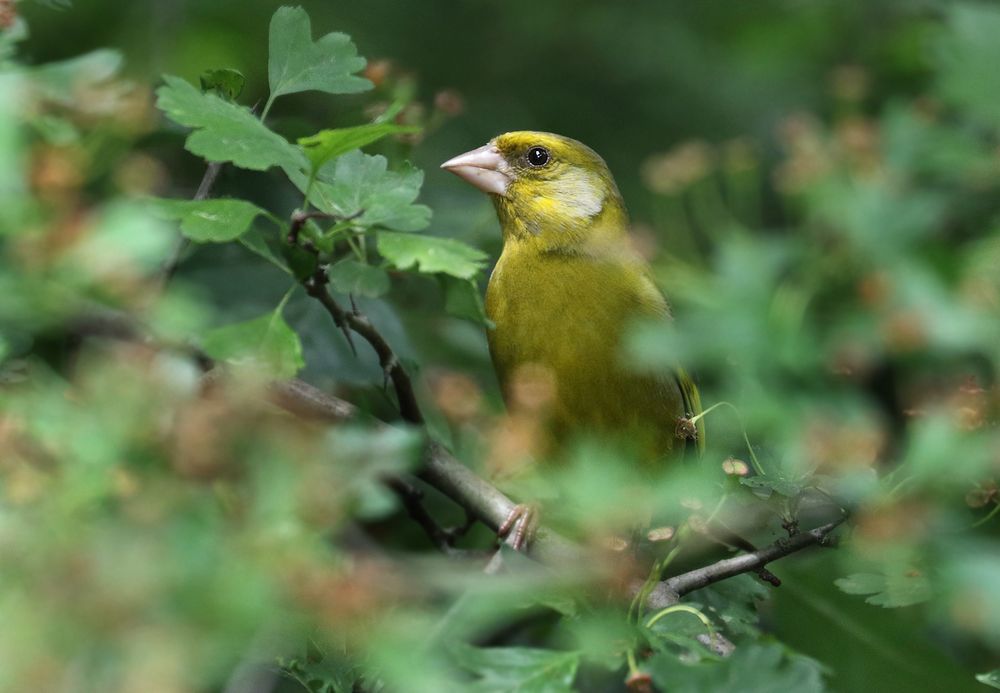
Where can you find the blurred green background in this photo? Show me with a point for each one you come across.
(817, 181)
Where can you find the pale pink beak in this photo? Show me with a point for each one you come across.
(484, 168)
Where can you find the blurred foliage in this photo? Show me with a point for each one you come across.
(817, 186)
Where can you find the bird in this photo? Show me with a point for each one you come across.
(567, 285)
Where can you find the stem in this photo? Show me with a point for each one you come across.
(676, 608)
(743, 429)
(989, 516)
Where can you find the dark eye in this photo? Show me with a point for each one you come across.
(538, 156)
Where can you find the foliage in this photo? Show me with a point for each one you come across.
(168, 521)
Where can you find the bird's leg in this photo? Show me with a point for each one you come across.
(522, 520)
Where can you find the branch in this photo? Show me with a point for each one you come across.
(409, 409)
(475, 495)
(670, 590)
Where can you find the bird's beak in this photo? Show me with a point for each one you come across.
(484, 168)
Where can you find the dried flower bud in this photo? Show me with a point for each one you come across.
(660, 534)
(735, 467)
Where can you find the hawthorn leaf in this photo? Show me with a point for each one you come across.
(891, 590)
(296, 63)
(358, 182)
(523, 669)
(224, 81)
(353, 277)
(463, 300)
(431, 254)
(752, 668)
(267, 342)
(211, 221)
(225, 131)
(328, 144)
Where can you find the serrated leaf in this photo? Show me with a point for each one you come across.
(522, 669)
(463, 300)
(267, 342)
(353, 277)
(224, 81)
(897, 589)
(327, 144)
(225, 131)
(431, 254)
(768, 484)
(296, 63)
(358, 182)
(752, 668)
(211, 221)
(254, 241)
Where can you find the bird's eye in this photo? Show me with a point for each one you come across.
(538, 156)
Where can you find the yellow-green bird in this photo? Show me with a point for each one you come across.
(567, 284)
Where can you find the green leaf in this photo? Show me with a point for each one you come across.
(301, 262)
(431, 254)
(356, 181)
(522, 669)
(463, 300)
(296, 64)
(752, 668)
(211, 221)
(63, 81)
(892, 590)
(225, 131)
(254, 241)
(266, 341)
(353, 277)
(769, 484)
(990, 678)
(967, 59)
(224, 81)
(327, 144)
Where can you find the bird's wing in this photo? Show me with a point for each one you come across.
(692, 405)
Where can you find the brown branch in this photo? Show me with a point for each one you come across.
(204, 190)
(409, 409)
(670, 590)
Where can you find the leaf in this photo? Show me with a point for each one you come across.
(967, 59)
(463, 300)
(893, 590)
(752, 668)
(224, 81)
(327, 144)
(296, 64)
(254, 241)
(63, 81)
(769, 484)
(266, 341)
(353, 277)
(358, 182)
(990, 678)
(431, 254)
(225, 131)
(523, 669)
(211, 221)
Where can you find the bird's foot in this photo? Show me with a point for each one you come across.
(520, 526)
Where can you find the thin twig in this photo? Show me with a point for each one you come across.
(670, 590)
(409, 409)
(204, 190)
(412, 499)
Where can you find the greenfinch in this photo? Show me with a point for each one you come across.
(565, 288)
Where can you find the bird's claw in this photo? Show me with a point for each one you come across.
(523, 522)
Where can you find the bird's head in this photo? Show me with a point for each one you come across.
(544, 185)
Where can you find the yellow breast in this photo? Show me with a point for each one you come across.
(566, 312)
